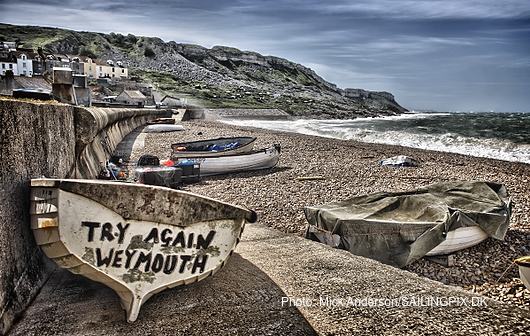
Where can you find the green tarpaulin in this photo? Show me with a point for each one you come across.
(398, 228)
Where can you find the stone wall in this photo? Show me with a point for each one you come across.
(46, 140)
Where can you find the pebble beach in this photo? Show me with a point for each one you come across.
(346, 168)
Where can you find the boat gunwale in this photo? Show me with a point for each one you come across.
(253, 152)
(182, 144)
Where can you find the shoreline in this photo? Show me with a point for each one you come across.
(350, 168)
(506, 149)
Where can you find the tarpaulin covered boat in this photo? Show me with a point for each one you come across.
(213, 147)
(134, 238)
(400, 227)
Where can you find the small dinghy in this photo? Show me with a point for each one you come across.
(223, 164)
(163, 128)
(161, 121)
(134, 238)
(213, 147)
(400, 227)
(524, 270)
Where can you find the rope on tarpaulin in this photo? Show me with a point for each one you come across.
(375, 234)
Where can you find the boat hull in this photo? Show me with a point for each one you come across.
(199, 148)
(136, 239)
(456, 240)
(524, 270)
(524, 274)
(155, 128)
(224, 164)
(459, 239)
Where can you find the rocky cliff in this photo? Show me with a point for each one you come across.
(220, 76)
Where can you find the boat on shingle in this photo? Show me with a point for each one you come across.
(524, 270)
(136, 239)
(213, 147)
(397, 228)
(233, 163)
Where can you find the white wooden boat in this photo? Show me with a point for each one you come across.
(455, 240)
(134, 238)
(223, 164)
(213, 147)
(459, 239)
(163, 128)
(524, 270)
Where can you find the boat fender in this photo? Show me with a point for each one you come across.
(167, 163)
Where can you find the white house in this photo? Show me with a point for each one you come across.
(24, 63)
(6, 64)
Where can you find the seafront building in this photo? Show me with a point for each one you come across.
(26, 62)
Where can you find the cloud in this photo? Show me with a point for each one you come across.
(428, 53)
(434, 9)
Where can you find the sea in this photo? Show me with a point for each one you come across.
(496, 135)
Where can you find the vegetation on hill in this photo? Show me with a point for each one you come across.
(217, 77)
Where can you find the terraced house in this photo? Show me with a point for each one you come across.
(27, 63)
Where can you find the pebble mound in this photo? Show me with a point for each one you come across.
(349, 168)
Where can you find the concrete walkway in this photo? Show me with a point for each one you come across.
(277, 284)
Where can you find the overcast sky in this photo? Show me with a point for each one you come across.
(444, 55)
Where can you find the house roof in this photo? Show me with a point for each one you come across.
(157, 97)
(33, 83)
(168, 99)
(29, 54)
(84, 59)
(134, 94)
(7, 60)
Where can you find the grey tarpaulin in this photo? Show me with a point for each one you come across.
(400, 227)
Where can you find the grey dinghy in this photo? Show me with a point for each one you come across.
(223, 164)
(212, 147)
(401, 227)
(134, 238)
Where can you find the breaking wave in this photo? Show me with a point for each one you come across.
(495, 135)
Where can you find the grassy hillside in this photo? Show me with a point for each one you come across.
(217, 77)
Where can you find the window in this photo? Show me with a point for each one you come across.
(3, 66)
(23, 65)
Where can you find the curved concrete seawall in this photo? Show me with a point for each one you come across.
(46, 140)
(99, 130)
